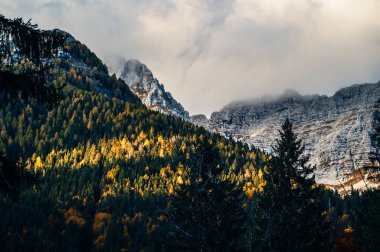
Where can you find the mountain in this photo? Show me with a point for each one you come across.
(93, 169)
(86, 166)
(337, 131)
(151, 92)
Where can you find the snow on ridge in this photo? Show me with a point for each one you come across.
(151, 92)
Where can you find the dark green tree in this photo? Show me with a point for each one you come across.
(287, 215)
(366, 220)
(13, 177)
(22, 42)
(207, 214)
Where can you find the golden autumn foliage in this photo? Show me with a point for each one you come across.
(107, 192)
(38, 165)
(112, 173)
(154, 181)
(179, 180)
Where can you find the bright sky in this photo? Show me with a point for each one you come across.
(209, 53)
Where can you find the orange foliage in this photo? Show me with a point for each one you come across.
(73, 215)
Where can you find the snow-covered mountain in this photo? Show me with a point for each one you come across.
(151, 92)
(336, 130)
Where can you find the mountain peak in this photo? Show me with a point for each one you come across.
(134, 65)
(141, 81)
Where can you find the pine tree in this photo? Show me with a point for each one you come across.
(366, 219)
(13, 177)
(207, 214)
(287, 214)
(32, 45)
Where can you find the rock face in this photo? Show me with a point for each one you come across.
(200, 120)
(336, 130)
(151, 92)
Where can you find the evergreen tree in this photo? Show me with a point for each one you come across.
(287, 216)
(21, 41)
(366, 220)
(13, 177)
(207, 212)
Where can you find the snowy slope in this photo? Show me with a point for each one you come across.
(152, 93)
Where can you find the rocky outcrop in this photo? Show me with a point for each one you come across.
(151, 92)
(200, 120)
(336, 130)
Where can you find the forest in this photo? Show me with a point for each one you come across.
(85, 166)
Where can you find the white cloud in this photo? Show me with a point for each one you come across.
(209, 53)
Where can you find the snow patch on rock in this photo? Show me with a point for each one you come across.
(151, 92)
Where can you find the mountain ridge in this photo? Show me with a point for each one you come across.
(337, 130)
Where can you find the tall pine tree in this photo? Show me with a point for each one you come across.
(287, 215)
(207, 213)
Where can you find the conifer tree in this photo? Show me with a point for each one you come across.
(25, 42)
(287, 216)
(13, 177)
(365, 219)
(207, 214)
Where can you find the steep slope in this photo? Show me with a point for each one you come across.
(105, 166)
(336, 130)
(152, 93)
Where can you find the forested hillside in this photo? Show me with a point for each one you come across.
(86, 166)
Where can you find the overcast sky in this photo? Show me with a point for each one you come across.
(208, 53)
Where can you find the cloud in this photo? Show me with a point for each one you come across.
(211, 52)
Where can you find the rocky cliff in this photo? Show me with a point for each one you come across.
(151, 92)
(200, 120)
(336, 130)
